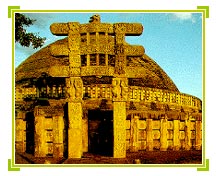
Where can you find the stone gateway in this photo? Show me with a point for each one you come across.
(93, 92)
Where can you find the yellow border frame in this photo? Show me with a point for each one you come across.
(200, 167)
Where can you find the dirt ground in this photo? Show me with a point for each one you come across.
(141, 157)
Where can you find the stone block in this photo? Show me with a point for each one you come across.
(170, 125)
(156, 124)
(156, 134)
(156, 144)
(58, 150)
(142, 135)
(170, 144)
(170, 134)
(181, 135)
(48, 123)
(142, 124)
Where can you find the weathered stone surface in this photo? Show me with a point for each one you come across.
(187, 135)
(176, 141)
(134, 134)
(58, 126)
(119, 127)
(48, 111)
(59, 28)
(40, 137)
(149, 140)
(75, 147)
(163, 137)
(20, 127)
(85, 134)
(59, 50)
(128, 29)
(198, 135)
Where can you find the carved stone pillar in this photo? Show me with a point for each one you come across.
(134, 134)
(198, 135)
(74, 87)
(120, 62)
(149, 139)
(58, 127)
(75, 130)
(163, 137)
(120, 91)
(75, 90)
(176, 133)
(119, 125)
(40, 135)
(187, 134)
(20, 135)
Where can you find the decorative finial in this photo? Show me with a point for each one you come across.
(95, 19)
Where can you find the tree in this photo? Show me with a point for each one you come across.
(24, 38)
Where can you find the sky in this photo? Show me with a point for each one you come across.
(173, 40)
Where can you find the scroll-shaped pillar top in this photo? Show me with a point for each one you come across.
(94, 25)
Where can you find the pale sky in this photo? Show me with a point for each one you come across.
(173, 40)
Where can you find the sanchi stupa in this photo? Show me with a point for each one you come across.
(93, 92)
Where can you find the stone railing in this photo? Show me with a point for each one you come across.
(137, 93)
(163, 134)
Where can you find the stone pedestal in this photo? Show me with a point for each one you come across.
(40, 137)
(176, 140)
(198, 135)
(149, 139)
(75, 130)
(163, 137)
(119, 127)
(20, 135)
(58, 127)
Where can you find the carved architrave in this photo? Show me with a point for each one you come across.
(128, 28)
(119, 27)
(59, 28)
(48, 110)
